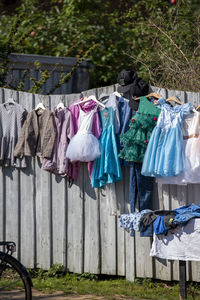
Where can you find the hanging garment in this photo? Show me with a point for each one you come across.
(37, 136)
(122, 116)
(135, 140)
(96, 130)
(185, 213)
(131, 222)
(141, 189)
(107, 167)
(59, 164)
(84, 146)
(164, 153)
(191, 150)
(12, 117)
(182, 243)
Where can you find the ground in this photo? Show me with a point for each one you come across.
(59, 296)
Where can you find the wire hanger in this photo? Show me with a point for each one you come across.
(117, 94)
(197, 108)
(172, 98)
(153, 94)
(92, 97)
(10, 101)
(40, 106)
(60, 105)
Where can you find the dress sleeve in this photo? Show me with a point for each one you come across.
(49, 138)
(19, 147)
(74, 117)
(96, 125)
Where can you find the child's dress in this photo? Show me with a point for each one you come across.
(107, 168)
(191, 149)
(135, 140)
(164, 154)
(84, 146)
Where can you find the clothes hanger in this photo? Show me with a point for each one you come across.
(92, 97)
(40, 106)
(197, 108)
(153, 94)
(117, 94)
(10, 101)
(172, 98)
(60, 105)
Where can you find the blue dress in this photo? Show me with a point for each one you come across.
(107, 168)
(164, 153)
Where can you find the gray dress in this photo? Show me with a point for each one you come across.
(12, 116)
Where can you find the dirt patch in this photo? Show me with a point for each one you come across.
(16, 294)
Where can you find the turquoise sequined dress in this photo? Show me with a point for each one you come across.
(107, 168)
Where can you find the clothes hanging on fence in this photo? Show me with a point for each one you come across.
(135, 140)
(123, 114)
(95, 131)
(141, 189)
(84, 146)
(12, 117)
(124, 119)
(59, 164)
(37, 136)
(191, 150)
(107, 167)
(131, 222)
(164, 153)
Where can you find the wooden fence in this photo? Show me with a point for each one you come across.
(52, 223)
(78, 82)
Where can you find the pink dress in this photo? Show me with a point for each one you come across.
(95, 129)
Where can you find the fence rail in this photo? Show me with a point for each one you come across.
(18, 63)
(52, 223)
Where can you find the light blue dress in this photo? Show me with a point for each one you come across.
(107, 168)
(164, 153)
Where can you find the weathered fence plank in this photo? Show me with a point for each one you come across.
(27, 199)
(75, 226)
(91, 226)
(78, 82)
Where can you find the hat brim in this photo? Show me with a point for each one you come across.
(124, 88)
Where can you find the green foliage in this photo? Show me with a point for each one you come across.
(160, 41)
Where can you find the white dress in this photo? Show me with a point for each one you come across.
(191, 149)
(182, 244)
(84, 146)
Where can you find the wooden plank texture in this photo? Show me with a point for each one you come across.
(27, 199)
(75, 223)
(43, 202)
(108, 237)
(91, 226)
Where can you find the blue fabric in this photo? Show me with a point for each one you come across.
(124, 118)
(107, 167)
(142, 187)
(185, 213)
(159, 226)
(131, 222)
(164, 153)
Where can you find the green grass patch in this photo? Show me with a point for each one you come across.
(112, 287)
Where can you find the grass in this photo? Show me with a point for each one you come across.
(111, 287)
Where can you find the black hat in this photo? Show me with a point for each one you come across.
(125, 80)
(139, 88)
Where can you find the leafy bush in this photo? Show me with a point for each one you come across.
(159, 40)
